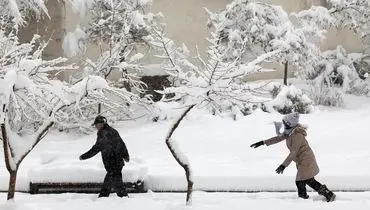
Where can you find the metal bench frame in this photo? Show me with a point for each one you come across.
(71, 187)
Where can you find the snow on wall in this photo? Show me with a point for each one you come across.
(164, 183)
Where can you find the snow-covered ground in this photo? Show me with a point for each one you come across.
(176, 201)
(219, 152)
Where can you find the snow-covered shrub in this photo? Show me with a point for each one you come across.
(337, 69)
(289, 99)
(327, 96)
(248, 108)
(335, 72)
(276, 89)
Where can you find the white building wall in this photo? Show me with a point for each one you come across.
(186, 23)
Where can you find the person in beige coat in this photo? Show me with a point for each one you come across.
(300, 153)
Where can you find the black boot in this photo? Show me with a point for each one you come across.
(304, 196)
(122, 193)
(302, 192)
(118, 184)
(329, 195)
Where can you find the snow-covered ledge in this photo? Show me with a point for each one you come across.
(75, 171)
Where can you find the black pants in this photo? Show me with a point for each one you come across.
(301, 185)
(113, 179)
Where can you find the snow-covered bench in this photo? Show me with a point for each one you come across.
(85, 187)
(67, 175)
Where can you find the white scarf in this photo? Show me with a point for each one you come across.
(286, 131)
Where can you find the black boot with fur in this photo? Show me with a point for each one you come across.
(329, 195)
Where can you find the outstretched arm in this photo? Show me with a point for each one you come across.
(95, 149)
(274, 140)
(269, 142)
(91, 153)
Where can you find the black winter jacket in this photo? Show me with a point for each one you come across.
(113, 149)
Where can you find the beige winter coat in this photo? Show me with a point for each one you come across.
(300, 153)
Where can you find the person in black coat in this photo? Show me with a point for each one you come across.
(114, 154)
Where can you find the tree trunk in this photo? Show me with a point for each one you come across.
(12, 182)
(286, 73)
(6, 147)
(126, 84)
(185, 166)
(189, 191)
(12, 172)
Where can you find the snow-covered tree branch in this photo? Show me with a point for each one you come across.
(31, 100)
(17, 11)
(351, 14)
(255, 28)
(123, 31)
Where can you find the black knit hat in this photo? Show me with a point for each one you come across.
(99, 119)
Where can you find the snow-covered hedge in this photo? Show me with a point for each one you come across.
(337, 69)
(289, 99)
(327, 96)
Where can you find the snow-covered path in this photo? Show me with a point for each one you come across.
(175, 201)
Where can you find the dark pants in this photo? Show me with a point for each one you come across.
(301, 185)
(113, 179)
(317, 186)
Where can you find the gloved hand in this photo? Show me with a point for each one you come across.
(280, 169)
(257, 144)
